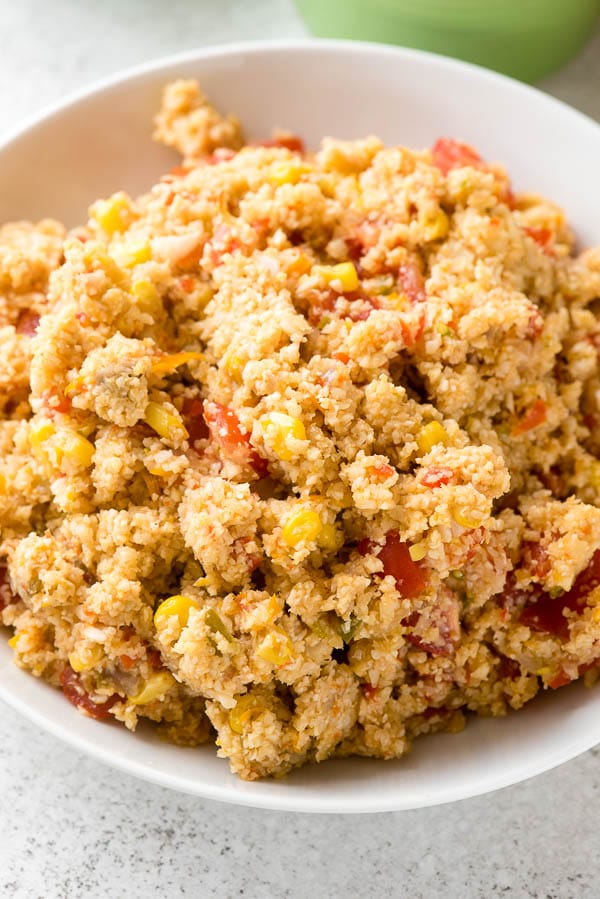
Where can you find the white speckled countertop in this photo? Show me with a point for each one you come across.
(70, 827)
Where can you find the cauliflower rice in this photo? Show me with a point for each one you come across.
(299, 452)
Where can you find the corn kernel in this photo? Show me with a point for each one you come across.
(2, 483)
(40, 432)
(147, 297)
(287, 172)
(131, 253)
(301, 265)
(436, 225)
(467, 519)
(13, 641)
(544, 672)
(343, 274)
(418, 550)
(77, 449)
(330, 538)
(87, 661)
(167, 424)
(167, 364)
(276, 648)
(158, 683)
(279, 428)
(594, 474)
(396, 301)
(246, 708)
(430, 435)
(302, 526)
(456, 723)
(113, 214)
(596, 615)
(216, 623)
(175, 605)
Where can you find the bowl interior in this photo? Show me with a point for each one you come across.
(101, 142)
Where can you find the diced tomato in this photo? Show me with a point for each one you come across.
(381, 471)
(222, 242)
(369, 691)
(535, 325)
(560, 680)
(28, 323)
(288, 141)
(362, 238)
(410, 578)
(187, 283)
(226, 431)
(535, 558)
(450, 154)
(553, 481)
(193, 416)
(410, 282)
(509, 668)
(126, 662)
(344, 358)
(534, 417)
(546, 614)
(362, 307)
(75, 693)
(436, 476)
(544, 237)
(7, 597)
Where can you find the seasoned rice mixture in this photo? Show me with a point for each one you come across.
(299, 452)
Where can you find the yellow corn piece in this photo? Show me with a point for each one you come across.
(86, 661)
(175, 605)
(167, 424)
(233, 363)
(467, 519)
(418, 550)
(113, 214)
(167, 364)
(2, 483)
(13, 641)
(594, 475)
(75, 386)
(436, 225)
(431, 434)
(158, 683)
(131, 253)
(596, 615)
(300, 265)
(246, 708)
(216, 623)
(278, 429)
(77, 448)
(147, 297)
(396, 301)
(302, 526)
(330, 538)
(344, 274)
(544, 672)
(287, 172)
(40, 432)
(456, 723)
(276, 648)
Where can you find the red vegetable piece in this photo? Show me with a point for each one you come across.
(546, 614)
(410, 282)
(369, 691)
(410, 578)
(535, 559)
(544, 237)
(288, 141)
(226, 431)
(437, 476)
(535, 416)
(193, 416)
(75, 693)
(28, 323)
(450, 154)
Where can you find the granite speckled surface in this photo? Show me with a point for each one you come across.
(70, 827)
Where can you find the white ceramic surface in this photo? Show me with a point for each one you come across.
(100, 141)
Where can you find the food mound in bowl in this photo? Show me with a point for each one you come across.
(300, 451)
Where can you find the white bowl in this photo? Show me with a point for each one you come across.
(100, 141)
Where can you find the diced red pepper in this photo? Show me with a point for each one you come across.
(187, 283)
(226, 431)
(411, 283)
(75, 693)
(369, 691)
(288, 141)
(544, 237)
(193, 416)
(535, 416)
(451, 154)
(28, 323)
(535, 558)
(546, 614)
(410, 578)
(126, 662)
(381, 471)
(437, 476)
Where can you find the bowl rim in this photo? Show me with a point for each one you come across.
(290, 801)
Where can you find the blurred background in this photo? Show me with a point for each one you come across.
(57, 47)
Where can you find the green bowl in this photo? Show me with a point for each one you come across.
(523, 38)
